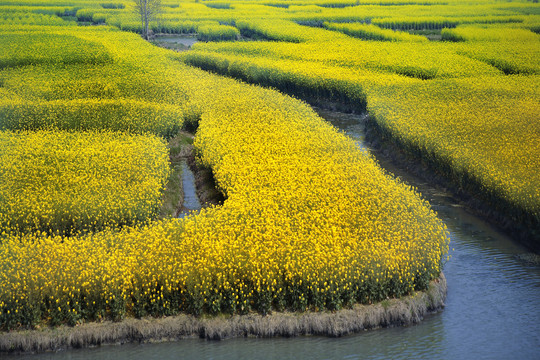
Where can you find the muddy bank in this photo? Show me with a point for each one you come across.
(393, 312)
(181, 153)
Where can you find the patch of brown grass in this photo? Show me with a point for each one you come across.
(392, 312)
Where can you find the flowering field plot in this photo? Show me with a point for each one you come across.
(300, 197)
(60, 183)
(62, 78)
(309, 220)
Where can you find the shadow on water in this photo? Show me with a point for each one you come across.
(492, 309)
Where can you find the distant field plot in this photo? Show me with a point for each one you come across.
(70, 79)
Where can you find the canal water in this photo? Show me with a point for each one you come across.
(492, 309)
(191, 200)
(175, 42)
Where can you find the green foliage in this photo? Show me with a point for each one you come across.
(26, 48)
(217, 33)
(372, 32)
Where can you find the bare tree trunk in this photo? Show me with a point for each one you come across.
(146, 19)
(148, 10)
(142, 24)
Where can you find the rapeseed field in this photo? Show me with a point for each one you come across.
(309, 221)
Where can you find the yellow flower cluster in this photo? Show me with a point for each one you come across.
(510, 57)
(48, 49)
(484, 130)
(283, 30)
(310, 221)
(76, 83)
(29, 14)
(422, 60)
(217, 32)
(372, 32)
(91, 114)
(489, 33)
(64, 183)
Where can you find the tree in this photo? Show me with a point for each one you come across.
(148, 11)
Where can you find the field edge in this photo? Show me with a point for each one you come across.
(405, 311)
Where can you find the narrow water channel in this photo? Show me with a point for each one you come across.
(492, 309)
(191, 200)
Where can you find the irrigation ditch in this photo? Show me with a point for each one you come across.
(191, 186)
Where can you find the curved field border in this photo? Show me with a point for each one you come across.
(394, 312)
(498, 211)
(522, 225)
